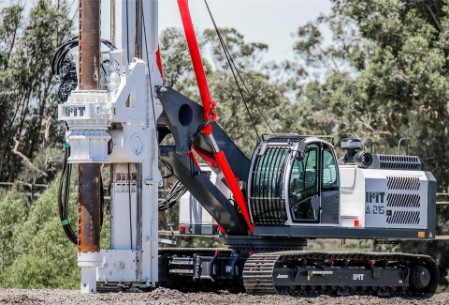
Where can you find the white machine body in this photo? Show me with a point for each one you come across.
(374, 198)
(193, 217)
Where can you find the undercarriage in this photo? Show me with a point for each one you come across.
(299, 272)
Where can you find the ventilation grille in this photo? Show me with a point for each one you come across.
(404, 217)
(403, 183)
(396, 162)
(404, 200)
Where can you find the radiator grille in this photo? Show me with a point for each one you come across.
(398, 162)
(404, 200)
(403, 183)
(404, 217)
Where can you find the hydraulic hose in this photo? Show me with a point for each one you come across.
(64, 194)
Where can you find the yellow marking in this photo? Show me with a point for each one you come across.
(421, 234)
(430, 235)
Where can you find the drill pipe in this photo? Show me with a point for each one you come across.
(89, 79)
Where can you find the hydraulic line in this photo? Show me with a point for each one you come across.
(64, 200)
(235, 72)
(64, 67)
(130, 208)
(63, 194)
(173, 197)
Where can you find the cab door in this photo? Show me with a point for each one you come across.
(304, 185)
(313, 187)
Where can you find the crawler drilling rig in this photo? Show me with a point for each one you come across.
(118, 111)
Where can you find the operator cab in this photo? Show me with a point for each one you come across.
(294, 180)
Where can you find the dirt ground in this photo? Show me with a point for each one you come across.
(163, 296)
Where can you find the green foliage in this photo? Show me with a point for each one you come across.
(35, 251)
(43, 257)
(385, 76)
(13, 208)
(199, 242)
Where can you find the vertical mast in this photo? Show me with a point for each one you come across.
(138, 38)
(114, 122)
(89, 44)
(89, 174)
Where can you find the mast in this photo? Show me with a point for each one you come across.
(111, 119)
(89, 173)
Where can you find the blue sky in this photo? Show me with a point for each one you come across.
(270, 21)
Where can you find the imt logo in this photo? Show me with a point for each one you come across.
(375, 197)
(357, 277)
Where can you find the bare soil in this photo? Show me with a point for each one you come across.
(163, 296)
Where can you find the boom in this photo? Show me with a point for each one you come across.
(209, 113)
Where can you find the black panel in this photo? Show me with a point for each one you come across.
(239, 163)
(431, 203)
(184, 118)
(204, 191)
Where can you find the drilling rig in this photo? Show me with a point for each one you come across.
(118, 112)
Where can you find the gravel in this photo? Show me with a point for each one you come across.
(163, 296)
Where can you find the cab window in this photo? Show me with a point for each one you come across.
(330, 169)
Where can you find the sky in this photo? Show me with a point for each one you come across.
(270, 21)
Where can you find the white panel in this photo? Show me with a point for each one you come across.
(395, 199)
(352, 196)
(117, 266)
(383, 198)
(120, 218)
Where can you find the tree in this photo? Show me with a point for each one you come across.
(264, 98)
(27, 98)
(386, 77)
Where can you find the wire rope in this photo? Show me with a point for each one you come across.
(236, 74)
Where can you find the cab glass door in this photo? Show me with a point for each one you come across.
(304, 186)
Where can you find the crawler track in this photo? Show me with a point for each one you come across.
(299, 272)
(342, 273)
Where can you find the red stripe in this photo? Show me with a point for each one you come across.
(209, 114)
(194, 159)
(159, 62)
(234, 187)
